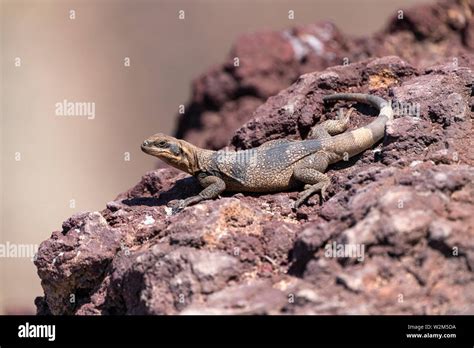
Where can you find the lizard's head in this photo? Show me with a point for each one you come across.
(177, 153)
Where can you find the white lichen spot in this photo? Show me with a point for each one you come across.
(316, 45)
(415, 163)
(148, 220)
(289, 109)
(299, 50)
(328, 75)
(101, 220)
(304, 43)
(56, 258)
(440, 177)
(309, 295)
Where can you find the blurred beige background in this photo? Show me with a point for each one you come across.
(82, 60)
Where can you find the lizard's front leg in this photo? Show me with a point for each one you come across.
(311, 172)
(213, 187)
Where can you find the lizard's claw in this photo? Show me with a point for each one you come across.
(324, 193)
(309, 190)
(176, 206)
(302, 197)
(297, 203)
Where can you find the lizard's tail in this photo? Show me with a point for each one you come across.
(381, 104)
(360, 139)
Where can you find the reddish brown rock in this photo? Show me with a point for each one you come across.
(395, 235)
(73, 262)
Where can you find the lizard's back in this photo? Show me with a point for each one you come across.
(267, 168)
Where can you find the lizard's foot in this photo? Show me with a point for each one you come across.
(176, 206)
(309, 190)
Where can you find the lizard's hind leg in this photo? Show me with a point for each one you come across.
(311, 172)
(331, 127)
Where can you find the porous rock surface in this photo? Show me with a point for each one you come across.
(407, 203)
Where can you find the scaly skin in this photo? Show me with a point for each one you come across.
(277, 165)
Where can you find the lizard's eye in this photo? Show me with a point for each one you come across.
(161, 143)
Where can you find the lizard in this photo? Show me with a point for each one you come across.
(277, 165)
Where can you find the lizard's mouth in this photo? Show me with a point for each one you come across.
(144, 146)
(147, 147)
